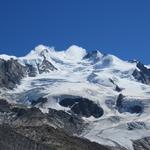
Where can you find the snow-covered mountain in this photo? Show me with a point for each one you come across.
(111, 95)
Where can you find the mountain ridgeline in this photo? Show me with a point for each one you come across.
(73, 100)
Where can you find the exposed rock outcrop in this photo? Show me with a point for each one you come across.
(143, 74)
(142, 144)
(82, 106)
(32, 71)
(11, 140)
(136, 125)
(127, 105)
(58, 139)
(11, 72)
(46, 67)
(30, 129)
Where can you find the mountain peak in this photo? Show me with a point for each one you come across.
(75, 52)
(40, 51)
(94, 55)
(41, 48)
(100, 89)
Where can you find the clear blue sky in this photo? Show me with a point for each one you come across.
(120, 27)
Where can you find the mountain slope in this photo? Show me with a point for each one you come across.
(109, 94)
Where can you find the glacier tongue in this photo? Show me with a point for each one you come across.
(93, 76)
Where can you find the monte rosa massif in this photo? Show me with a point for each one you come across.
(73, 100)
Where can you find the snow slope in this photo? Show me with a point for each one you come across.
(93, 76)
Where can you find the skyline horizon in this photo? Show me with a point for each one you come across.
(55, 49)
(116, 27)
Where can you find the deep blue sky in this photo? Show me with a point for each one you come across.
(120, 27)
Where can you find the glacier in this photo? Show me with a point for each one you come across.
(91, 75)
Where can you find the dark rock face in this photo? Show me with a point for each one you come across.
(87, 109)
(46, 67)
(143, 75)
(11, 140)
(82, 107)
(92, 56)
(137, 125)
(117, 88)
(58, 138)
(131, 106)
(32, 112)
(11, 72)
(34, 117)
(142, 144)
(31, 70)
(143, 68)
(28, 117)
(70, 123)
(39, 101)
(30, 129)
(4, 106)
(119, 100)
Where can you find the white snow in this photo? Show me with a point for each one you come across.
(7, 57)
(148, 66)
(75, 53)
(81, 77)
